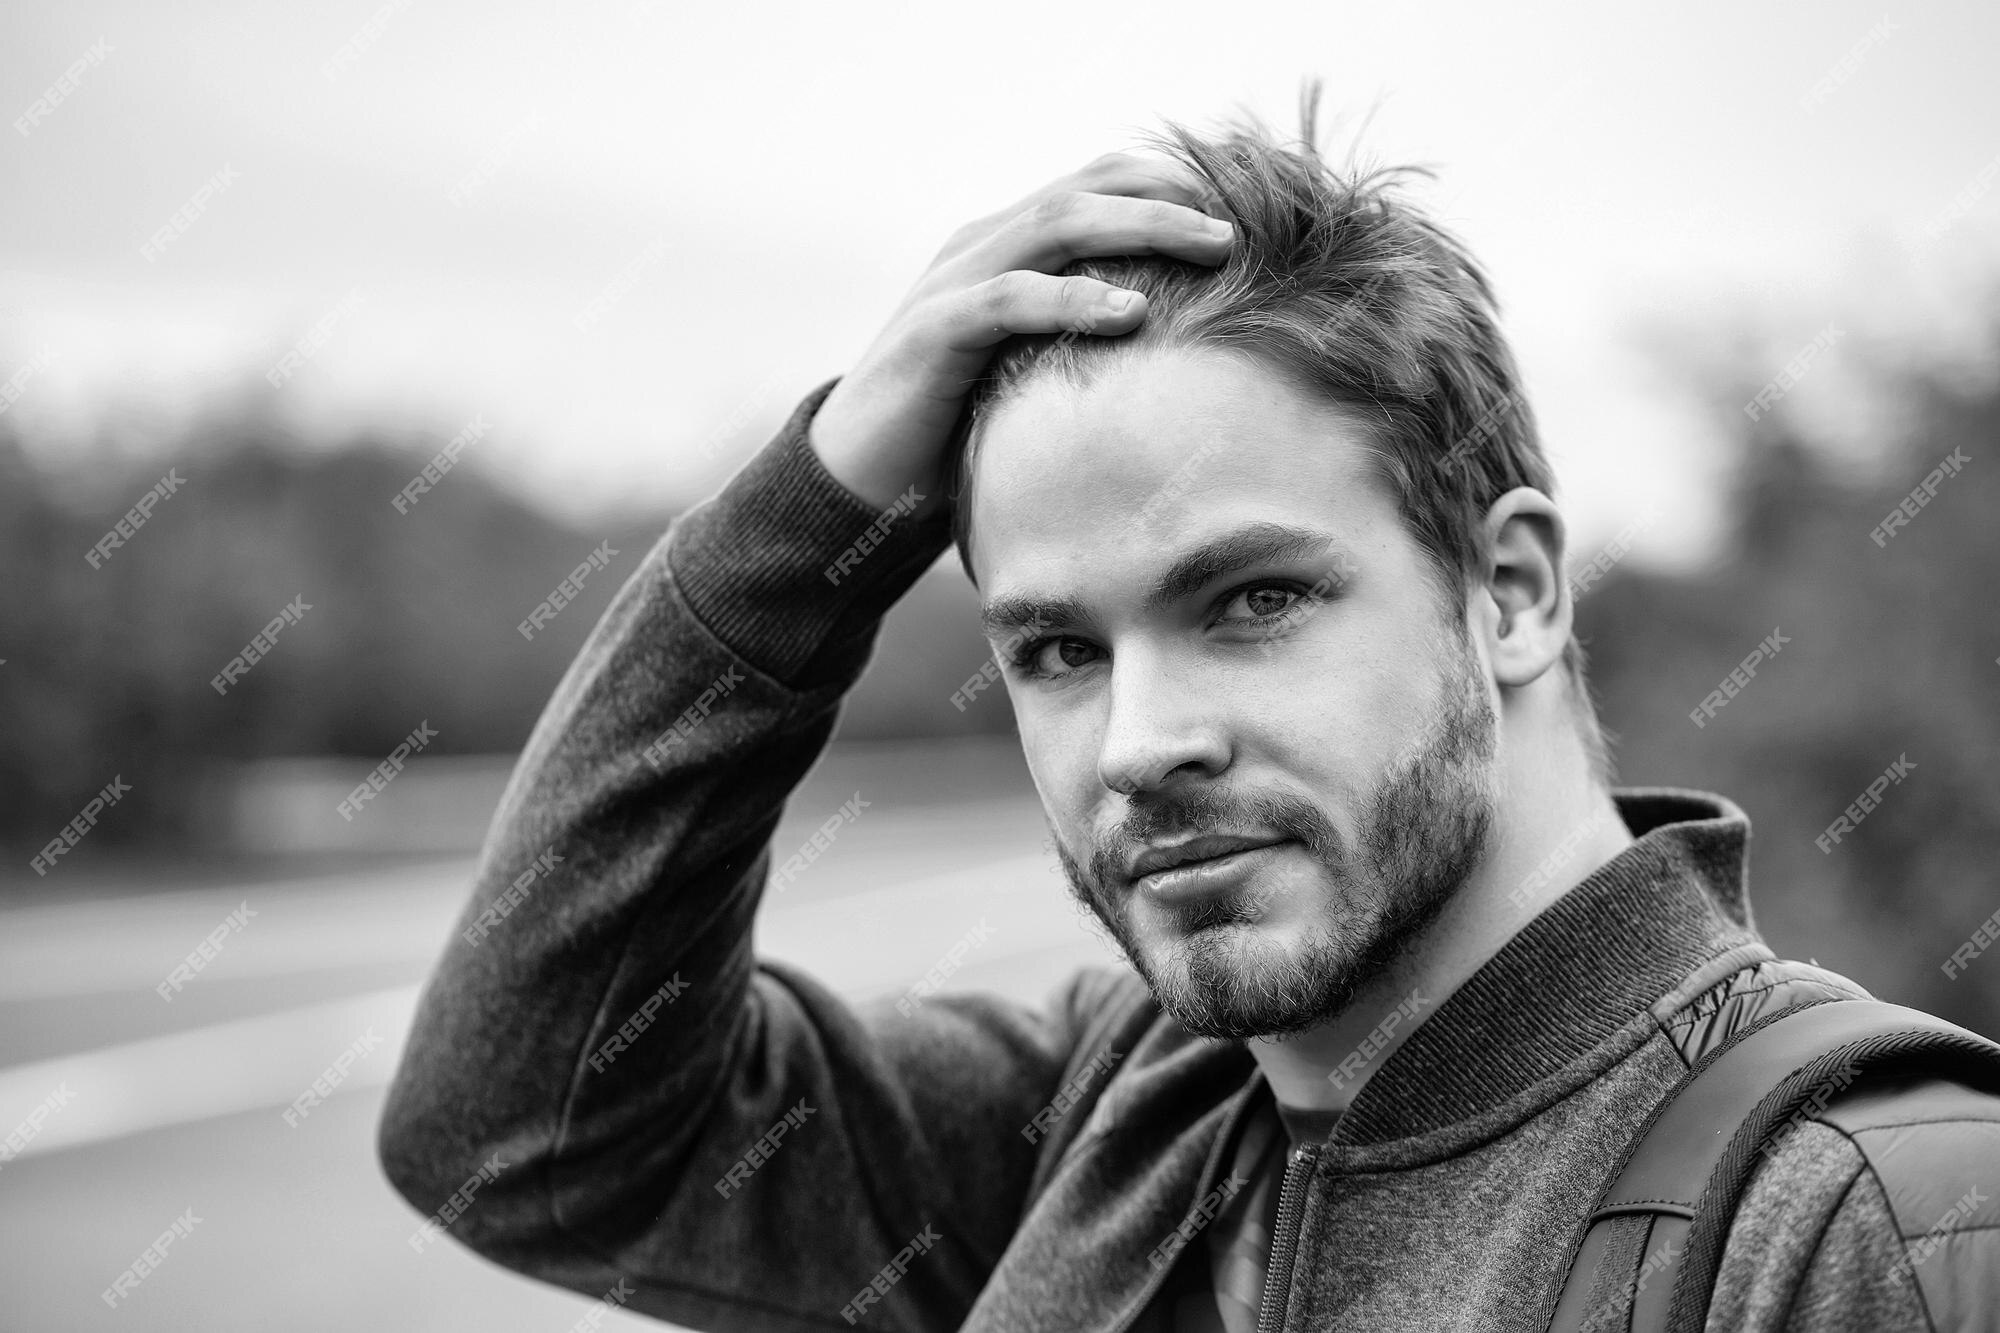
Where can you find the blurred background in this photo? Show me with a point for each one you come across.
(260, 265)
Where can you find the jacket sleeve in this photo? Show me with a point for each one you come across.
(1894, 1237)
(604, 1087)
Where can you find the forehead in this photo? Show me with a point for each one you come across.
(1159, 451)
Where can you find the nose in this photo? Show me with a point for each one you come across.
(1161, 726)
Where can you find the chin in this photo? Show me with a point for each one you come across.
(1238, 980)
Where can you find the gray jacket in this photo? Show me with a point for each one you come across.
(590, 1063)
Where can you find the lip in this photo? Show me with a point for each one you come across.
(1198, 865)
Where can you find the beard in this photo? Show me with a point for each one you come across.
(1422, 830)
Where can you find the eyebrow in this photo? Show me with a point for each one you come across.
(1252, 544)
(1018, 614)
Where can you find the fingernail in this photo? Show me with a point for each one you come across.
(1217, 227)
(1119, 302)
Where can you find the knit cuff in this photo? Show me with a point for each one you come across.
(794, 571)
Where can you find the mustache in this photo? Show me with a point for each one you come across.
(1205, 810)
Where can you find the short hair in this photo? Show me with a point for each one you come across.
(1354, 294)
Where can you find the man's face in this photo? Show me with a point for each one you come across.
(1229, 634)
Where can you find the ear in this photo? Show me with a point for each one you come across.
(1524, 608)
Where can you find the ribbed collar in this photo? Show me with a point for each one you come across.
(1585, 969)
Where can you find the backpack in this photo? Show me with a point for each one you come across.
(1651, 1249)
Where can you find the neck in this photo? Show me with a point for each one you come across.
(1552, 826)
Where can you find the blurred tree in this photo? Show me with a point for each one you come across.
(1891, 653)
(412, 618)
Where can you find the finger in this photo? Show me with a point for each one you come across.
(1128, 174)
(1021, 301)
(1077, 225)
(1145, 176)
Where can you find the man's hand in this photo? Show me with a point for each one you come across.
(884, 426)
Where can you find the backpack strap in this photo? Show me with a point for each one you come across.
(1652, 1247)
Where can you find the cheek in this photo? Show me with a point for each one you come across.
(1061, 749)
(1064, 781)
(1334, 713)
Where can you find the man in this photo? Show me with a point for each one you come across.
(1236, 457)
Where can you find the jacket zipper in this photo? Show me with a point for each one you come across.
(1285, 1244)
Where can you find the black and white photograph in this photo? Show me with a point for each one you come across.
(1024, 669)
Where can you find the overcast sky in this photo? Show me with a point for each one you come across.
(446, 187)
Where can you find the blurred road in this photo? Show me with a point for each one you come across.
(155, 1107)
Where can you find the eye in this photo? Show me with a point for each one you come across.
(1054, 656)
(1265, 601)
(1268, 601)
